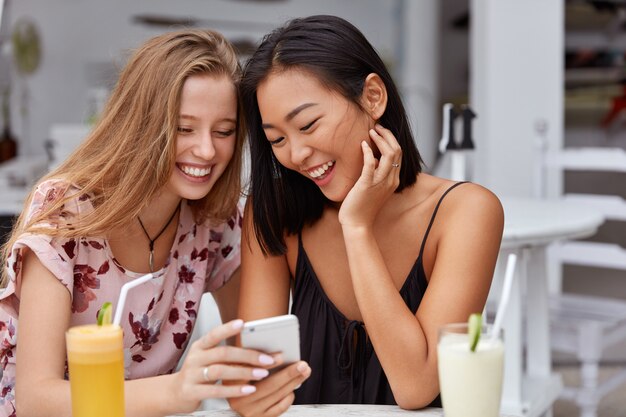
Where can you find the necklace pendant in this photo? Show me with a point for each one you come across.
(151, 261)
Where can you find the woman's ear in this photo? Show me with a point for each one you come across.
(374, 96)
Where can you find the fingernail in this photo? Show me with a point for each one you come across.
(301, 367)
(248, 389)
(377, 126)
(299, 385)
(260, 373)
(237, 324)
(266, 360)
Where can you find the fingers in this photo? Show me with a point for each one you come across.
(391, 153)
(282, 406)
(216, 372)
(369, 163)
(220, 333)
(274, 392)
(223, 391)
(206, 351)
(280, 384)
(232, 354)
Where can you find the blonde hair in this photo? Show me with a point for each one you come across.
(130, 153)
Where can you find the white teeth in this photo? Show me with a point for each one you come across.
(321, 170)
(195, 172)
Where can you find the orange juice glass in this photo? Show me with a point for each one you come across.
(95, 357)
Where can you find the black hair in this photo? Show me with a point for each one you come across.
(337, 53)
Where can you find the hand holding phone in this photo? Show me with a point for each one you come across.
(273, 335)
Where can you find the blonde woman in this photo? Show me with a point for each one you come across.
(154, 188)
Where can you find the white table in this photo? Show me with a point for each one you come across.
(336, 410)
(530, 226)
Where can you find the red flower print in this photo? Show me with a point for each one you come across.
(95, 244)
(117, 264)
(180, 339)
(226, 250)
(69, 247)
(186, 275)
(145, 332)
(202, 255)
(173, 318)
(84, 281)
(51, 195)
(191, 312)
(182, 237)
(17, 263)
(138, 358)
(215, 236)
(104, 268)
(175, 254)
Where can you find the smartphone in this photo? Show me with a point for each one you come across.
(273, 335)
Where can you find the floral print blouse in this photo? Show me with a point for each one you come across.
(158, 316)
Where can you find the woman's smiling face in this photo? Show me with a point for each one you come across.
(314, 130)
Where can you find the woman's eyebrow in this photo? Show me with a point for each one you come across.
(291, 114)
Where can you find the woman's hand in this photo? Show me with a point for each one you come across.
(378, 180)
(207, 363)
(274, 394)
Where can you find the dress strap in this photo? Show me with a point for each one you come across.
(432, 218)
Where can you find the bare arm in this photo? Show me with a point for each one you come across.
(265, 281)
(44, 316)
(469, 227)
(227, 297)
(471, 222)
(45, 311)
(265, 287)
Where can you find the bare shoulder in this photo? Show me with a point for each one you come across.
(474, 196)
(470, 202)
(461, 197)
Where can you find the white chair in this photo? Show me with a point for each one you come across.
(581, 325)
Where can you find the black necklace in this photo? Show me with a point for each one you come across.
(151, 259)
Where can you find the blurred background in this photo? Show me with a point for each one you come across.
(540, 75)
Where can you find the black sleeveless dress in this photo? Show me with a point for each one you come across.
(345, 368)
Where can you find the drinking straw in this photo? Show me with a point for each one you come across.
(506, 293)
(120, 303)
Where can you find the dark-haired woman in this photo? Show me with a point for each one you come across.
(376, 255)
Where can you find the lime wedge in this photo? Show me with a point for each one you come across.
(105, 315)
(474, 326)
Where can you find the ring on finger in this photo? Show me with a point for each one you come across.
(205, 373)
(395, 165)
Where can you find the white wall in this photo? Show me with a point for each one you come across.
(418, 42)
(516, 79)
(78, 34)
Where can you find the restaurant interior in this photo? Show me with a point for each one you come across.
(527, 98)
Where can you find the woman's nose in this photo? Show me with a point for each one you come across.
(299, 152)
(204, 148)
